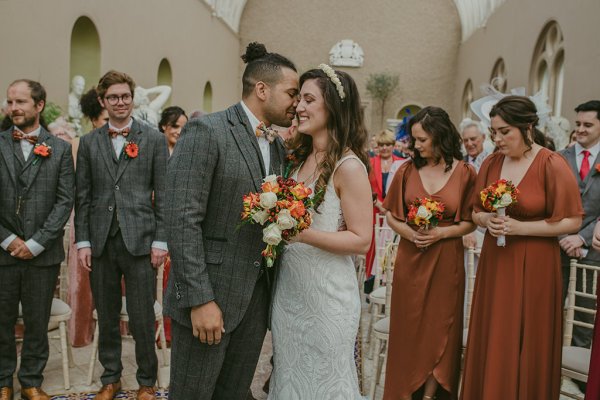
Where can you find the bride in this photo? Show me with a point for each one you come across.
(316, 306)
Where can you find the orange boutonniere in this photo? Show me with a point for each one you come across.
(131, 150)
(41, 150)
(597, 167)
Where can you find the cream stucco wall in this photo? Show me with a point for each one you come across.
(512, 33)
(135, 35)
(418, 40)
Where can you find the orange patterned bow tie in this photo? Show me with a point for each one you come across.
(18, 135)
(115, 132)
(268, 133)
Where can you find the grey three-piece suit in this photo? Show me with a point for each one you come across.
(119, 210)
(36, 198)
(589, 189)
(216, 161)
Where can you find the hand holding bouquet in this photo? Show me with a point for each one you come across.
(498, 196)
(283, 208)
(425, 213)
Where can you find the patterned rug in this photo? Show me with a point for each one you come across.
(161, 394)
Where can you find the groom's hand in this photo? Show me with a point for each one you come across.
(207, 323)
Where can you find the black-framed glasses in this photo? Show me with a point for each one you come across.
(113, 99)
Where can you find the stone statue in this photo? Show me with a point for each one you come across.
(75, 114)
(346, 53)
(149, 110)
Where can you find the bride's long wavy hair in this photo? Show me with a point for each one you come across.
(345, 127)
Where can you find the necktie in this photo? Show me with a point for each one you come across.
(268, 133)
(585, 165)
(18, 135)
(115, 132)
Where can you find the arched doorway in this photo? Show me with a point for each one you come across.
(408, 111)
(85, 52)
(207, 98)
(165, 77)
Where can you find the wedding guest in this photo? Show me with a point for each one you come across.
(514, 344)
(37, 181)
(473, 138)
(572, 138)
(429, 279)
(93, 109)
(172, 120)
(378, 177)
(593, 384)
(582, 159)
(120, 229)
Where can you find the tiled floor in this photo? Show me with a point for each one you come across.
(54, 384)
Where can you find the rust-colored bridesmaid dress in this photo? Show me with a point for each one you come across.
(428, 289)
(515, 334)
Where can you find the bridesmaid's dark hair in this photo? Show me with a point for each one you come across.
(446, 140)
(520, 112)
(345, 126)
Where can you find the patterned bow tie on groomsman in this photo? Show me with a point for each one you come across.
(18, 135)
(115, 132)
(268, 133)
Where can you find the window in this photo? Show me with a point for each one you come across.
(498, 77)
(467, 99)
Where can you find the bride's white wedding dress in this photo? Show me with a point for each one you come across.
(316, 312)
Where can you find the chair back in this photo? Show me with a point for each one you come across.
(471, 253)
(389, 260)
(159, 283)
(383, 235)
(584, 291)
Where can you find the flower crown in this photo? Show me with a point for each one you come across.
(334, 78)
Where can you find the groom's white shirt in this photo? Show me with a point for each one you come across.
(262, 142)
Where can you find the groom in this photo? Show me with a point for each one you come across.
(218, 293)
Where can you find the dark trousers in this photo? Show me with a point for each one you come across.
(582, 337)
(223, 371)
(34, 288)
(140, 287)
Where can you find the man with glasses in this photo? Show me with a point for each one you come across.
(119, 229)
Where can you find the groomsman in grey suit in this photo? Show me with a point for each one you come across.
(120, 229)
(219, 289)
(37, 184)
(584, 159)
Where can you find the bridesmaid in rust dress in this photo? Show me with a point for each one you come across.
(515, 334)
(429, 279)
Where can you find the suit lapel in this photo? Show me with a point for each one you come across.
(34, 163)
(589, 178)
(247, 143)
(136, 137)
(107, 151)
(6, 148)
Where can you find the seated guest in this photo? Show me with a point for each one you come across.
(473, 138)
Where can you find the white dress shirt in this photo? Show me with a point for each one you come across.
(264, 144)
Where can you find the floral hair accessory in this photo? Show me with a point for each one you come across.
(333, 78)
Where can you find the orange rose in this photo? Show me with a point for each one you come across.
(270, 187)
(598, 167)
(42, 150)
(131, 150)
(297, 209)
(300, 191)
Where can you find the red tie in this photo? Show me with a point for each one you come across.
(585, 165)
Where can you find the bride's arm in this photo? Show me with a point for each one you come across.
(352, 184)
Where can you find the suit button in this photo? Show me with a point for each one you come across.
(110, 208)
(116, 187)
(257, 264)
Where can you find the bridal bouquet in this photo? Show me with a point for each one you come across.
(283, 208)
(425, 212)
(498, 196)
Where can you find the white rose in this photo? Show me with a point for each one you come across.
(505, 200)
(260, 216)
(268, 200)
(272, 235)
(285, 220)
(423, 213)
(270, 179)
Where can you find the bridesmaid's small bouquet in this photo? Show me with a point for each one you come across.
(283, 208)
(425, 212)
(496, 198)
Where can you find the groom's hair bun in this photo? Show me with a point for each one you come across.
(262, 66)
(254, 51)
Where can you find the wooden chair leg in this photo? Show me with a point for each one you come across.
(93, 356)
(374, 377)
(163, 342)
(65, 353)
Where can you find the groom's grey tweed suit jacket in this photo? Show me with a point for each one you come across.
(216, 161)
(131, 187)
